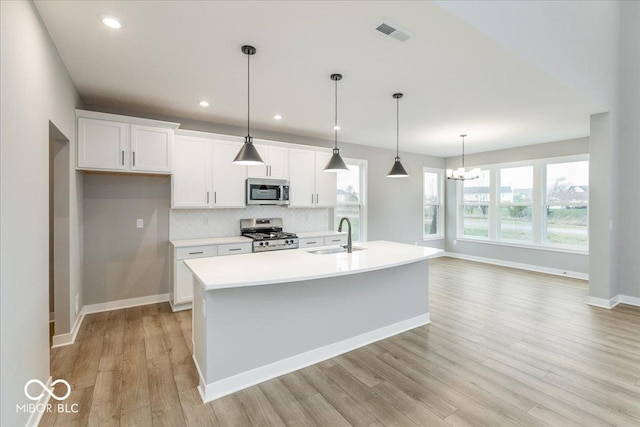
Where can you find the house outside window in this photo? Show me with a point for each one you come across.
(433, 204)
(352, 197)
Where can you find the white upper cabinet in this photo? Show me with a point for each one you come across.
(151, 148)
(191, 180)
(302, 178)
(109, 142)
(310, 185)
(229, 179)
(326, 182)
(102, 144)
(276, 161)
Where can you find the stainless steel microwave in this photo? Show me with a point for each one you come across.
(267, 191)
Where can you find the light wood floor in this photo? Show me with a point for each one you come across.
(505, 347)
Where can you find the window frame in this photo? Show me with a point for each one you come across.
(538, 218)
(440, 234)
(363, 164)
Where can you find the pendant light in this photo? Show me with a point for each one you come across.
(460, 174)
(336, 164)
(397, 171)
(248, 154)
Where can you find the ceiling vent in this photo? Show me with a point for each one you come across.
(392, 30)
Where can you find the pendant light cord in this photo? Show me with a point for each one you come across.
(397, 127)
(248, 91)
(335, 127)
(463, 152)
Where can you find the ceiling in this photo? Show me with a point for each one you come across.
(171, 54)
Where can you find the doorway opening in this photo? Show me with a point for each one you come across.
(59, 173)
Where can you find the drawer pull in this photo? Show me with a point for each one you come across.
(196, 253)
(311, 243)
(335, 240)
(235, 249)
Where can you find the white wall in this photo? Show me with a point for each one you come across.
(628, 226)
(541, 258)
(35, 88)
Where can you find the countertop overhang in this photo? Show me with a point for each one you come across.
(295, 265)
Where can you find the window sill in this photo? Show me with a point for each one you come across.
(433, 237)
(525, 246)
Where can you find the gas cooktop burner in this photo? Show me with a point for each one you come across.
(267, 234)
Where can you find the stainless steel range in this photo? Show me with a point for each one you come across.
(267, 234)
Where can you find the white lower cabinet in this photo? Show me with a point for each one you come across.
(311, 242)
(340, 239)
(181, 287)
(183, 284)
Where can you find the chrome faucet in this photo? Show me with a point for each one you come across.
(348, 246)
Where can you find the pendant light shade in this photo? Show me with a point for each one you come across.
(336, 164)
(461, 174)
(397, 170)
(248, 154)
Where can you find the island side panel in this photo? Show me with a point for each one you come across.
(199, 331)
(253, 327)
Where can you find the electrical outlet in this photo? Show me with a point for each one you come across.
(205, 220)
(455, 242)
(139, 223)
(77, 303)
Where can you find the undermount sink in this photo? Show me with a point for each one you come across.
(337, 250)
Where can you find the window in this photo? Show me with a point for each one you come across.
(476, 203)
(352, 198)
(534, 203)
(516, 204)
(567, 202)
(433, 207)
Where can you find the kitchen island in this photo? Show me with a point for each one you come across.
(261, 315)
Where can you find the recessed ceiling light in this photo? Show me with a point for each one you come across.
(277, 117)
(110, 21)
(336, 127)
(204, 103)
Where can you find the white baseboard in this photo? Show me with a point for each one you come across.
(626, 299)
(612, 302)
(521, 266)
(36, 416)
(603, 302)
(125, 303)
(180, 307)
(221, 388)
(69, 338)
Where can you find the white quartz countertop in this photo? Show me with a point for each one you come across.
(295, 265)
(312, 234)
(210, 241)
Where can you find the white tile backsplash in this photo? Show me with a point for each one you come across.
(203, 223)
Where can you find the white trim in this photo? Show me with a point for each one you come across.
(88, 114)
(69, 338)
(36, 416)
(218, 389)
(603, 302)
(125, 303)
(626, 299)
(180, 307)
(442, 191)
(52, 316)
(612, 302)
(521, 266)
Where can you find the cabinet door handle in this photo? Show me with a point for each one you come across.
(122, 157)
(196, 253)
(270, 172)
(134, 158)
(207, 197)
(317, 199)
(215, 197)
(311, 198)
